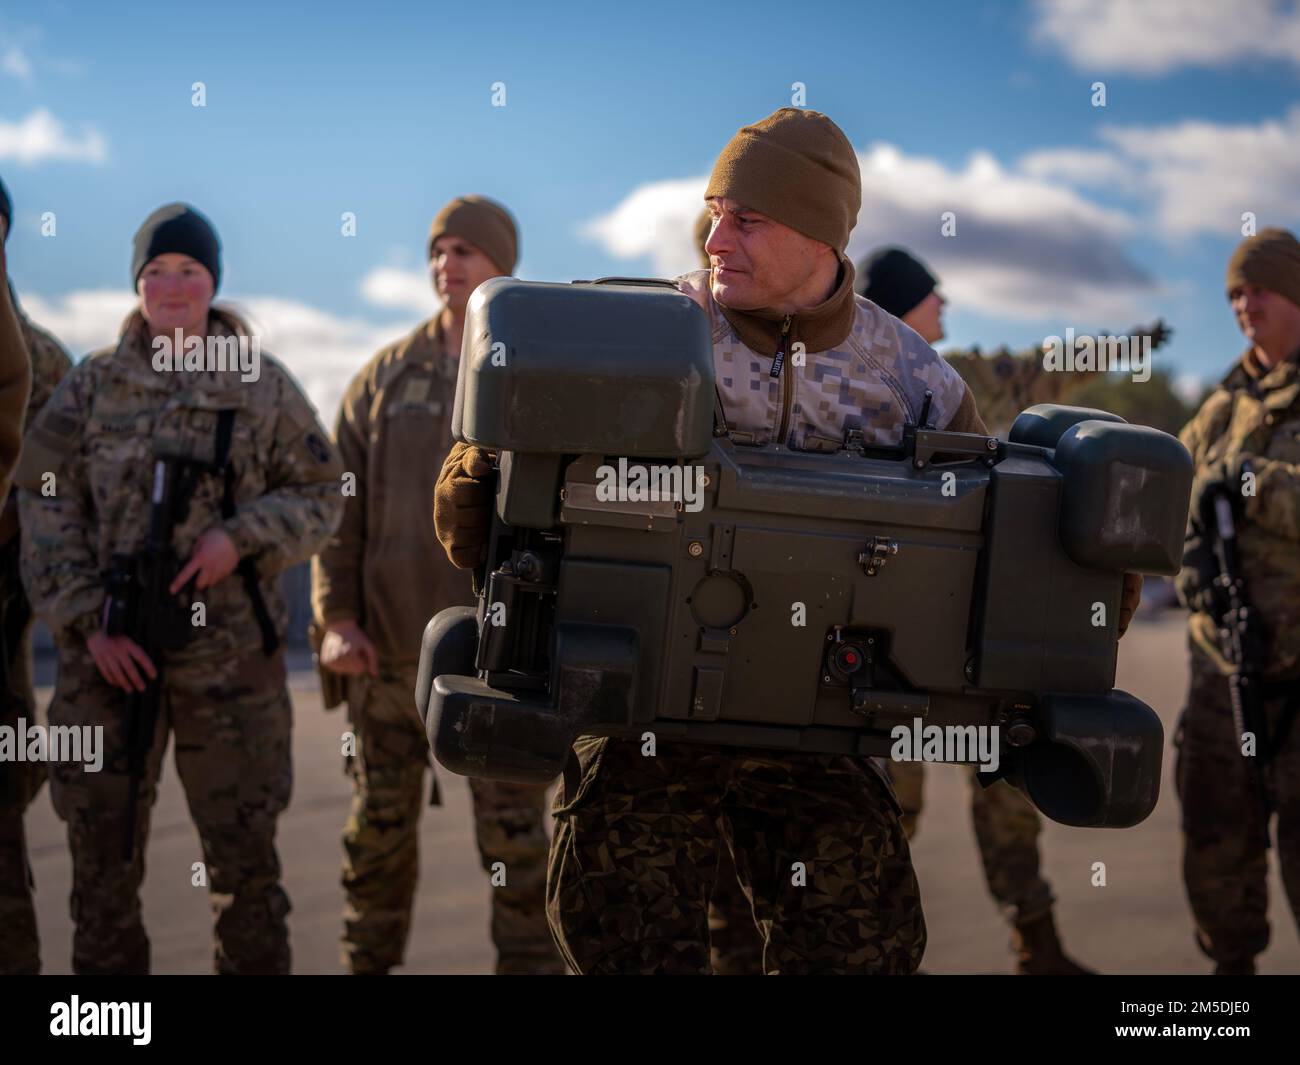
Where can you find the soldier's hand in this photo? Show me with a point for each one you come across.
(346, 649)
(121, 661)
(215, 558)
(462, 505)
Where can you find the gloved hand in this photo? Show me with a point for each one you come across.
(1128, 600)
(462, 504)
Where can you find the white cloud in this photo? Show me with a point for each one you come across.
(656, 219)
(407, 290)
(1200, 176)
(1026, 247)
(1150, 37)
(83, 320)
(1079, 167)
(322, 350)
(1193, 176)
(41, 136)
(15, 63)
(1189, 387)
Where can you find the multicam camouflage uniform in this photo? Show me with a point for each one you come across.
(638, 842)
(385, 570)
(1006, 830)
(1253, 414)
(85, 477)
(19, 783)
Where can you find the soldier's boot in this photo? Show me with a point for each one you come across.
(1039, 952)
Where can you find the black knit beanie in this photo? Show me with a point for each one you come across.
(178, 228)
(894, 280)
(6, 209)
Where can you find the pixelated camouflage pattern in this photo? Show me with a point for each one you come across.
(98, 436)
(1006, 832)
(380, 840)
(1253, 414)
(231, 719)
(875, 381)
(635, 860)
(1225, 860)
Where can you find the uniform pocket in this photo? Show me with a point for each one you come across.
(584, 765)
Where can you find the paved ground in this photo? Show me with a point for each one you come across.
(1137, 923)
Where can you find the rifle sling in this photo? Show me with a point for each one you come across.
(247, 568)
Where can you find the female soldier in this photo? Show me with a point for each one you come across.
(162, 495)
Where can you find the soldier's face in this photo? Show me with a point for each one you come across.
(1266, 318)
(458, 268)
(927, 318)
(175, 293)
(757, 262)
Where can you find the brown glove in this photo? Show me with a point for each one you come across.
(1129, 599)
(462, 505)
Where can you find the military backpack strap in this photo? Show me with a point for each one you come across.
(247, 568)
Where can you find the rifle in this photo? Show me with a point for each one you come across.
(141, 607)
(1242, 641)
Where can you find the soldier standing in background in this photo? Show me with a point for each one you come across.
(1006, 824)
(1250, 425)
(19, 781)
(264, 493)
(375, 587)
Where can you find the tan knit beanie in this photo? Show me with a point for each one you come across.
(1270, 259)
(485, 224)
(798, 168)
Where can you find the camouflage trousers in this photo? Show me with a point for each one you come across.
(815, 839)
(232, 722)
(1006, 830)
(1225, 860)
(20, 782)
(380, 840)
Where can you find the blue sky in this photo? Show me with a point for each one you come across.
(1068, 214)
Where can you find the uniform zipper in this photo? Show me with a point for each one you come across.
(777, 363)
